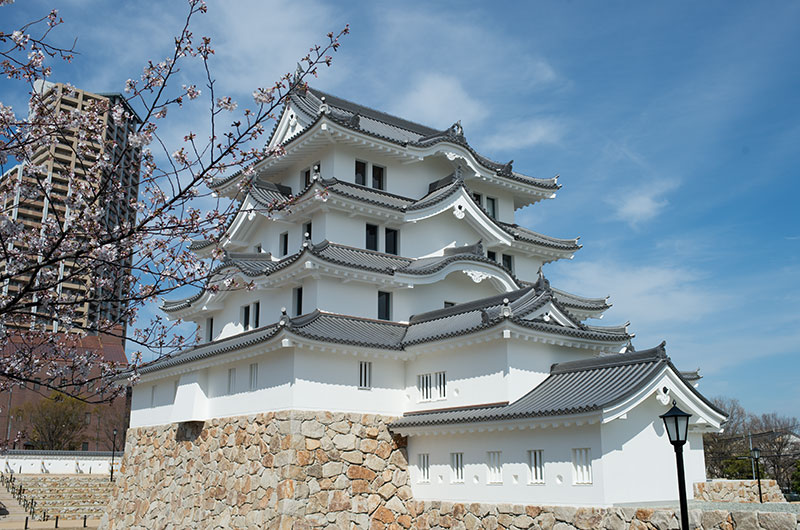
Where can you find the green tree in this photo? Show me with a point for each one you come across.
(56, 423)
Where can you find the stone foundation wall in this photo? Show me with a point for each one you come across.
(306, 470)
(738, 491)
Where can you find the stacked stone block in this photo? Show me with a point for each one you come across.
(738, 491)
(309, 470)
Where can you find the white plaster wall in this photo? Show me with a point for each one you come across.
(353, 298)
(640, 461)
(556, 445)
(333, 377)
(457, 287)
(157, 412)
(505, 200)
(74, 464)
(530, 362)
(431, 234)
(476, 375)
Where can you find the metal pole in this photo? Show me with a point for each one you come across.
(682, 487)
(113, 449)
(752, 460)
(758, 477)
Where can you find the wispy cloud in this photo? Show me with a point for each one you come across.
(439, 100)
(522, 134)
(644, 203)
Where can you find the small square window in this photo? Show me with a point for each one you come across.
(392, 240)
(384, 305)
(492, 255)
(209, 329)
(371, 242)
(477, 197)
(491, 207)
(298, 301)
(582, 466)
(231, 380)
(364, 375)
(253, 376)
(245, 317)
(361, 173)
(495, 475)
(536, 466)
(424, 467)
(508, 262)
(378, 177)
(284, 243)
(457, 467)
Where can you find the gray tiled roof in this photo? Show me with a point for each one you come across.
(400, 131)
(571, 388)
(580, 302)
(268, 193)
(461, 319)
(201, 243)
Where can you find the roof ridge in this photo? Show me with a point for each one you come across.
(657, 353)
(466, 307)
(377, 115)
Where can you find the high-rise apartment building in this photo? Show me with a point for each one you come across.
(71, 156)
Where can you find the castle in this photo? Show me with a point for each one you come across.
(386, 276)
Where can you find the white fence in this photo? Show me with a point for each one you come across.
(59, 462)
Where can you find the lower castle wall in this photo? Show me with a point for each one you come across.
(738, 491)
(308, 470)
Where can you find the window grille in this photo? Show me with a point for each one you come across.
(253, 376)
(582, 466)
(441, 385)
(536, 466)
(424, 467)
(457, 464)
(495, 467)
(231, 380)
(424, 384)
(364, 374)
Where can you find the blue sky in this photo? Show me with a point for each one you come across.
(674, 126)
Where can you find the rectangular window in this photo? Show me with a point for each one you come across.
(424, 467)
(371, 237)
(378, 177)
(491, 207)
(256, 314)
(84, 446)
(284, 243)
(298, 301)
(306, 177)
(384, 305)
(209, 329)
(508, 262)
(441, 385)
(492, 255)
(392, 238)
(582, 466)
(245, 317)
(478, 198)
(361, 173)
(495, 475)
(424, 386)
(87, 418)
(364, 374)
(231, 380)
(457, 467)
(307, 230)
(253, 376)
(536, 465)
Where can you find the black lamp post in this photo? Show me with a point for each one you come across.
(113, 450)
(756, 453)
(676, 422)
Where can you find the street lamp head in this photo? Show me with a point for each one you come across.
(676, 422)
(756, 452)
(115, 432)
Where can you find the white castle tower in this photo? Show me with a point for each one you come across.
(390, 278)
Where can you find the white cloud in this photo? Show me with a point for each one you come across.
(644, 203)
(519, 135)
(440, 100)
